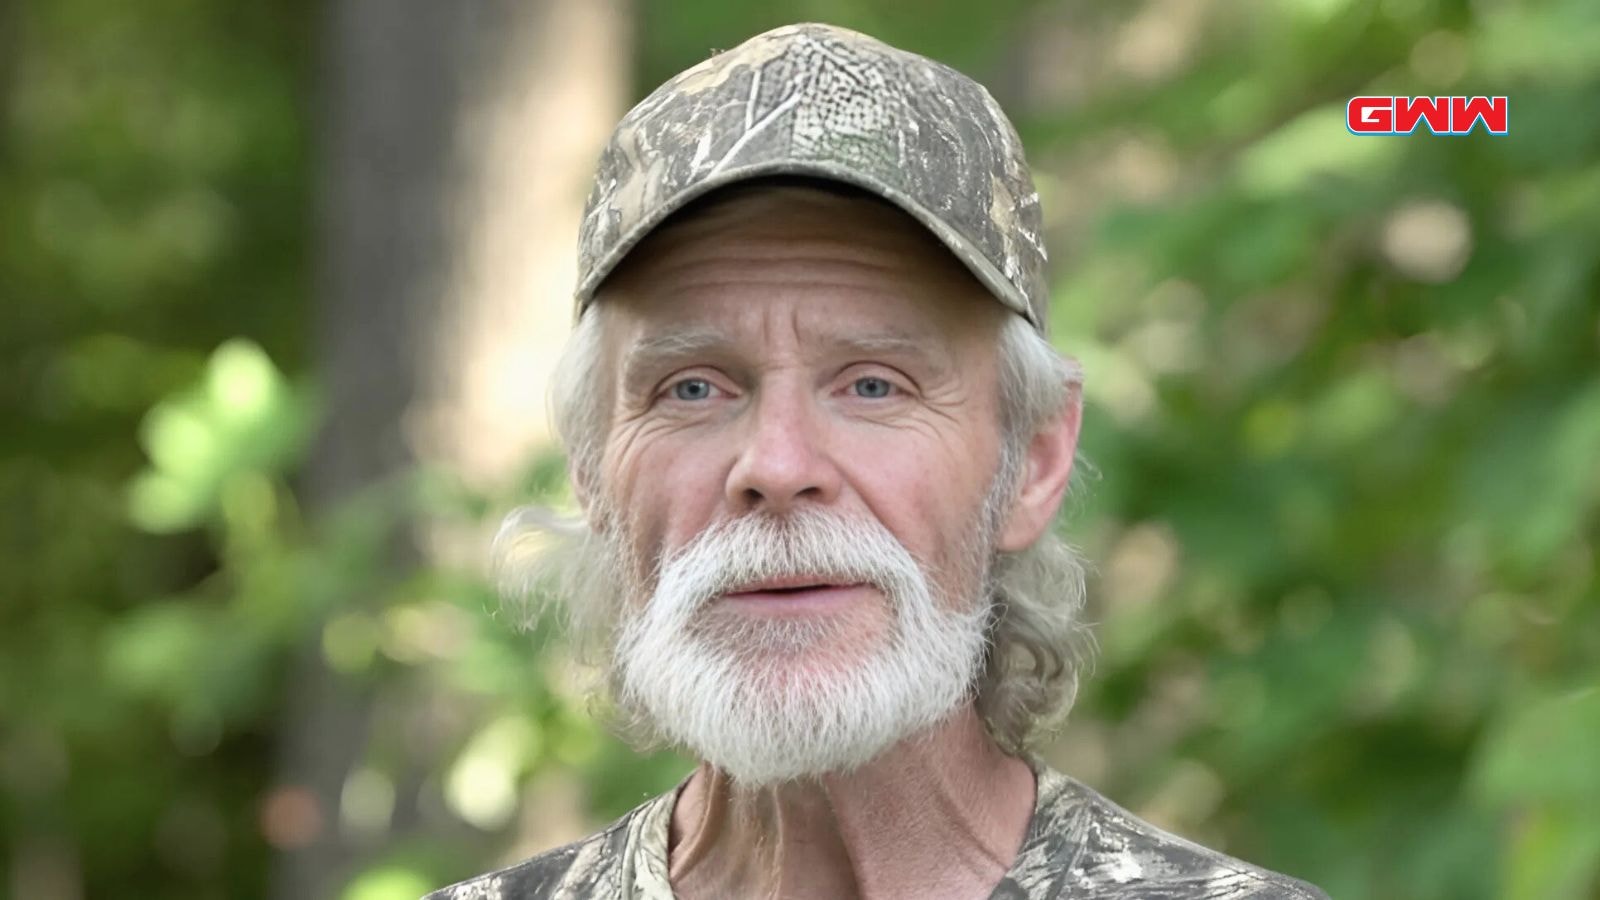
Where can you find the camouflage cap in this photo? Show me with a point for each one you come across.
(826, 102)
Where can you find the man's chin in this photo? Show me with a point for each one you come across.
(777, 698)
(797, 682)
(825, 638)
(788, 745)
(755, 766)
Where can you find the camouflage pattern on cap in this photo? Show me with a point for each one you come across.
(826, 102)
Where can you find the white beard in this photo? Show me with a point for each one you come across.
(752, 696)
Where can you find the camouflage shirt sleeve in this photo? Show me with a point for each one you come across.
(626, 861)
(1081, 845)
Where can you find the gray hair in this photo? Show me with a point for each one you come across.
(1036, 639)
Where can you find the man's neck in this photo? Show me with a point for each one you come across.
(941, 815)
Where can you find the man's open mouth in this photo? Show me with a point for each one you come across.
(802, 595)
(789, 585)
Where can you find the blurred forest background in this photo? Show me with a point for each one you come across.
(280, 283)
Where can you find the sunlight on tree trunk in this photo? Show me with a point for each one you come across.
(525, 153)
(456, 145)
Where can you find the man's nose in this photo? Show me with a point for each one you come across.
(783, 459)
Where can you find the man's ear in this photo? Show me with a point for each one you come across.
(1046, 469)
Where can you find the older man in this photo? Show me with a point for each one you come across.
(819, 438)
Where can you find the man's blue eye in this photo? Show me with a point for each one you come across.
(692, 389)
(873, 388)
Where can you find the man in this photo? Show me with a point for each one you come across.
(819, 438)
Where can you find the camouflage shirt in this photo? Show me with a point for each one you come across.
(1079, 846)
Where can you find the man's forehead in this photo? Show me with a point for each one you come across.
(821, 333)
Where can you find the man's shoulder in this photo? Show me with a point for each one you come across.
(1100, 849)
(584, 868)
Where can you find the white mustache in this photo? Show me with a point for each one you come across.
(812, 543)
(739, 692)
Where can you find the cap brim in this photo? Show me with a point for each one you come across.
(997, 283)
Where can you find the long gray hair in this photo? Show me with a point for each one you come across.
(1036, 645)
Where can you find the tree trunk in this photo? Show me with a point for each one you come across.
(456, 143)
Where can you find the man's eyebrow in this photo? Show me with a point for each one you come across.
(928, 350)
(896, 343)
(650, 353)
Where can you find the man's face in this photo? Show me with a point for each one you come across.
(790, 368)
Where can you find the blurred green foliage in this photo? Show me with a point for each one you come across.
(1342, 448)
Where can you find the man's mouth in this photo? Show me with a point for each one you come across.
(787, 584)
(798, 594)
